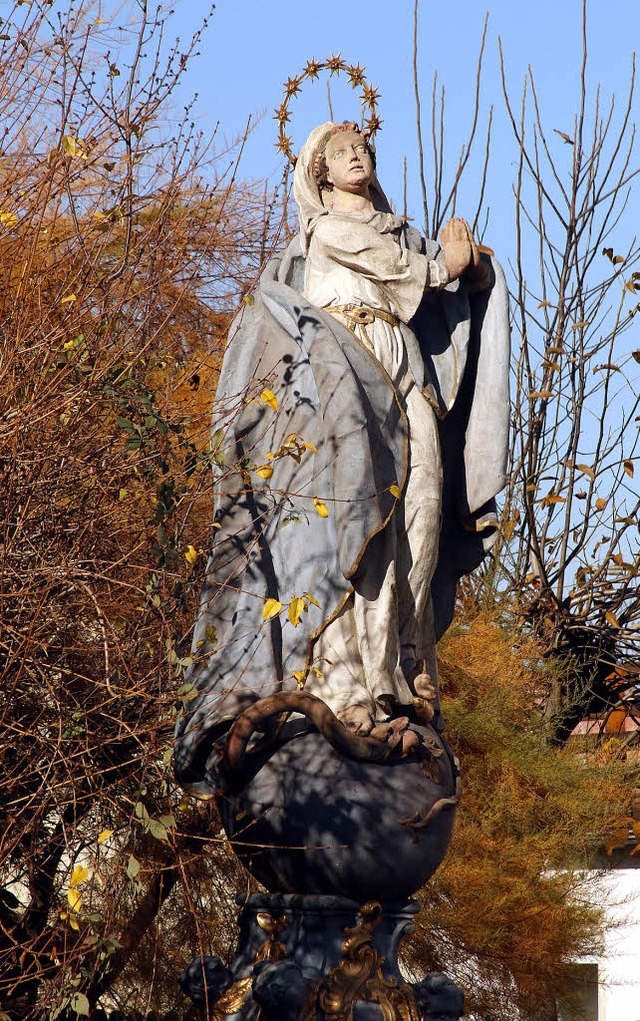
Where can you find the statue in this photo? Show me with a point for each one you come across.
(362, 415)
(359, 438)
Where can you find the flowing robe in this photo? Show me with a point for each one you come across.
(369, 654)
(351, 453)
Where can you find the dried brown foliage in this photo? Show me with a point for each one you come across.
(513, 906)
(123, 255)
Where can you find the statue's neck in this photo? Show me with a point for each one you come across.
(351, 202)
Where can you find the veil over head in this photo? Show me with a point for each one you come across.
(312, 201)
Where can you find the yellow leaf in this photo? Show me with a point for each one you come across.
(269, 399)
(297, 606)
(395, 490)
(78, 876)
(611, 618)
(545, 304)
(311, 447)
(122, 494)
(600, 504)
(75, 899)
(628, 467)
(73, 922)
(104, 835)
(586, 470)
(310, 598)
(321, 507)
(546, 501)
(580, 325)
(509, 527)
(265, 471)
(191, 555)
(540, 393)
(74, 147)
(69, 346)
(300, 676)
(8, 219)
(271, 608)
(70, 297)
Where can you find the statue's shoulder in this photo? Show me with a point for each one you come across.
(287, 267)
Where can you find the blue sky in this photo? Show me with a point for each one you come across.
(252, 46)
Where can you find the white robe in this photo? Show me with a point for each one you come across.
(369, 654)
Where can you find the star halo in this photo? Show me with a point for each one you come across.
(369, 97)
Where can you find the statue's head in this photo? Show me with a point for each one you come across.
(439, 998)
(318, 171)
(344, 158)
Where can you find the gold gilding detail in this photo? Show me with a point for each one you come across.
(359, 977)
(272, 950)
(369, 97)
(233, 999)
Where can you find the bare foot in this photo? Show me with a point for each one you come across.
(357, 719)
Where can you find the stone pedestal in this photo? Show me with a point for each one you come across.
(341, 845)
(319, 958)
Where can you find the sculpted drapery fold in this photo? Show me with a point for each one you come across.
(400, 423)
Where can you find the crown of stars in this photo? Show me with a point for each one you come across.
(369, 97)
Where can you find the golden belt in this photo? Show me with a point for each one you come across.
(361, 315)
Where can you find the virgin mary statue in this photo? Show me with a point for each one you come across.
(362, 416)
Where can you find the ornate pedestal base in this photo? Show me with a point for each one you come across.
(319, 958)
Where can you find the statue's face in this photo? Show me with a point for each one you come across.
(349, 163)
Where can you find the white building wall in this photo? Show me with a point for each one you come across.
(619, 969)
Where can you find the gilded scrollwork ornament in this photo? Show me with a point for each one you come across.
(359, 977)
